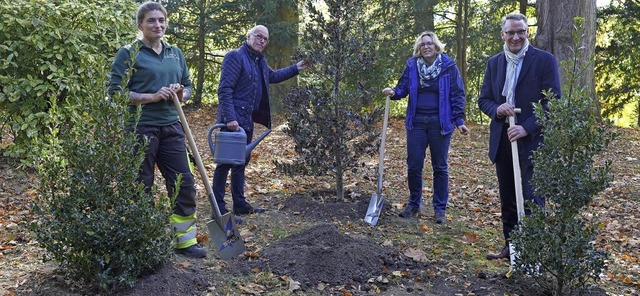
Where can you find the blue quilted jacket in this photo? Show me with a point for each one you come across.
(452, 95)
(237, 88)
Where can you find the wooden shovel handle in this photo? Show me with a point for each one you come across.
(196, 155)
(516, 170)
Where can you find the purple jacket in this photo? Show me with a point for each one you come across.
(450, 85)
(237, 87)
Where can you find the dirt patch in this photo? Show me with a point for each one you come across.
(180, 276)
(325, 206)
(324, 255)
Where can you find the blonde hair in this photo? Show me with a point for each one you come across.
(416, 47)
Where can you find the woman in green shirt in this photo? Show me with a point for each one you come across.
(159, 72)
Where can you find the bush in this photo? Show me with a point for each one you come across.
(95, 218)
(555, 245)
(47, 48)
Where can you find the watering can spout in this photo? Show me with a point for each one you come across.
(255, 142)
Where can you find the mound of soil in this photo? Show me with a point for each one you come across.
(322, 254)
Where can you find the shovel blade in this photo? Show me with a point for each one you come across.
(226, 237)
(373, 212)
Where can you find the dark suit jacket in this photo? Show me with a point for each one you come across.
(539, 72)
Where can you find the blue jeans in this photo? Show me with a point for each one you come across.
(426, 133)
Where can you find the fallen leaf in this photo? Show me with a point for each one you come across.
(425, 228)
(293, 285)
(253, 255)
(470, 237)
(416, 255)
(251, 288)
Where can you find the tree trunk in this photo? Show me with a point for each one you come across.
(201, 65)
(523, 6)
(462, 26)
(555, 34)
(281, 50)
(423, 16)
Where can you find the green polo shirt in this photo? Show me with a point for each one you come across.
(151, 72)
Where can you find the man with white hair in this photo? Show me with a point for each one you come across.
(244, 98)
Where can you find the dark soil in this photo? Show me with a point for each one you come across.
(320, 256)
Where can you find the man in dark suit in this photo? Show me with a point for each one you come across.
(515, 78)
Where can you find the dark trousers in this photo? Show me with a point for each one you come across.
(167, 149)
(237, 182)
(504, 171)
(426, 132)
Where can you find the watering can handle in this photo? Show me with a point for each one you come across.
(210, 135)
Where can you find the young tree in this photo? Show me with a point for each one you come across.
(332, 118)
(555, 244)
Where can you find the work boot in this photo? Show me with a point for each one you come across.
(236, 219)
(409, 212)
(247, 210)
(503, 254)
(192, 251)
(441, 217)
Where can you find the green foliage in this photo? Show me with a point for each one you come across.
(332, 119)
(617, 73)
(555, 244)
(204, 30)
(47, 48)
(95, 218)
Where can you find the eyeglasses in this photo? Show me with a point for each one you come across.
(513, 33)
(261, 38)
(426, 44)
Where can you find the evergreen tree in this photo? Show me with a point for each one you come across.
(332, 118)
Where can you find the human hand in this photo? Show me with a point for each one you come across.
(388, 92)
(303, 64)
(463, 129)
(177, 88)
(516, 132)
(233, 125)
(505, 110)
(164, 93)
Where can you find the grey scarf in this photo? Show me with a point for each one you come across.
(512, 64)
(428, 74)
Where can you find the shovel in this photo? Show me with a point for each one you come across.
(222, 228)
(377, 200)
(518, 184)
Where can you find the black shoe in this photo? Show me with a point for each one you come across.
(441, 217)
(248, 210)
(238, 220)
(409, 212)
(503, 254)
(192, 251)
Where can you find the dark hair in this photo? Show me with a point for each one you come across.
(514, 16)
(146, 7)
